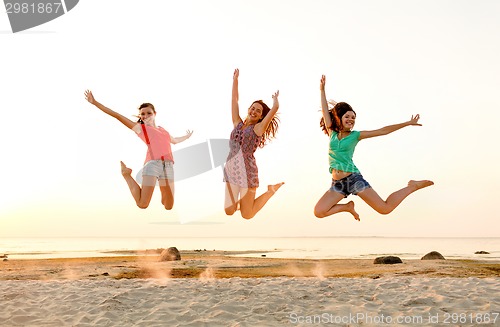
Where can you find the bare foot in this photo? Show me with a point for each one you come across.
(420, 184)
(125, 170)
(350, 208)
(274, 188)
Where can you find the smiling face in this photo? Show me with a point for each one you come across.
(255, 113)
(348, 120)
(147, 115)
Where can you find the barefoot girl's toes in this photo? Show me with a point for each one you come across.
(274, 188)
(125, 169)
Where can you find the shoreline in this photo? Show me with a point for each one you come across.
(227, 264)
(275, 253)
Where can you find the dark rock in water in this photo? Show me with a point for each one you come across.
(481, 252)
(433, 256)
(3, 256)
(170, 254)
(389, 260)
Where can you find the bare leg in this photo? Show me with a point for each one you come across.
(167, 193)
(328, 205)
(231, 200)
(251, 205)
(384, 207)
(142, 196)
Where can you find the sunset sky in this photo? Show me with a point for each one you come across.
(388, 59)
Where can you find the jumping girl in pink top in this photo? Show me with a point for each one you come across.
(338, 124)
(159, 160)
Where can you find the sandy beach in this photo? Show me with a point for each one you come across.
(216, 288)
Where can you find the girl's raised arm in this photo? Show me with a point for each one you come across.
(124, 120)
(324, 105)
(235, 109)
(261, 127)
(389, 129)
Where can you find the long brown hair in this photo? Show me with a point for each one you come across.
(336, 113)
(272, 128)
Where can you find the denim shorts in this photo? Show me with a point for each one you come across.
(159, 168)
(352, 184)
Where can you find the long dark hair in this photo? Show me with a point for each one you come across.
(272, 128)
(336, 113)
(144, 105)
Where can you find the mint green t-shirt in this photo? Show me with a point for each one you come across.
(341, 152)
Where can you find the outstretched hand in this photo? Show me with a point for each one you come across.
(275, 99)
(189, 133)
(236, 74)
(89, 97)
(414, 120)
(322, 83)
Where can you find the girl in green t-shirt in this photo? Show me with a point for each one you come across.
(338, 124)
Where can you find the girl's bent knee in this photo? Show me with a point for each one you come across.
(143, 204)
(168, 204)
(247, 215)
(384, 211)
(319, 213)
(229, 211)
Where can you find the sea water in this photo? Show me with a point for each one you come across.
(273, 247)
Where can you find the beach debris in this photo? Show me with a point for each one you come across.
(3, 256)
(170, 254)
(387, 260)
(433, 255)
(481, 252)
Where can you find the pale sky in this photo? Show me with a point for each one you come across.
(388, 59)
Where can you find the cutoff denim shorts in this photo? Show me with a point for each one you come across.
(159, 168)
(352, 184)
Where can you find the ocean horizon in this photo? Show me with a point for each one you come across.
(334, 247)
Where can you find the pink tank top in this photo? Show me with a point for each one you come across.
(159, 143)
